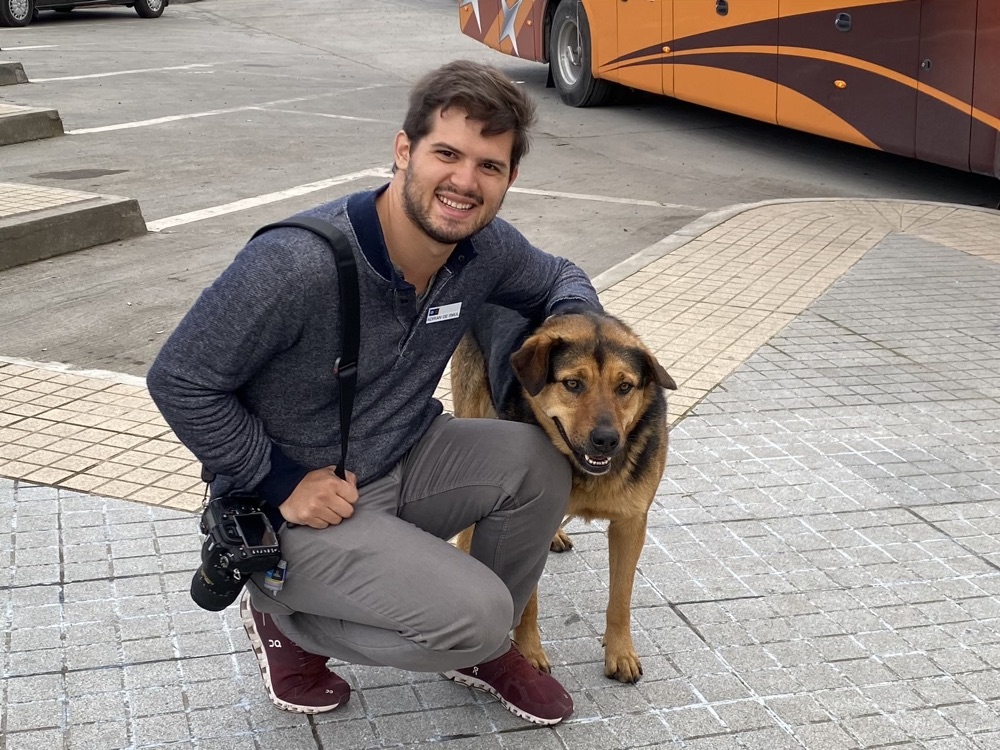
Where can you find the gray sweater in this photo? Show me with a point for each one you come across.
(246, 380)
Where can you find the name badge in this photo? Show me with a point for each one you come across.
(444, 312)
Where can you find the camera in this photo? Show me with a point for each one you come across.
(240, 540)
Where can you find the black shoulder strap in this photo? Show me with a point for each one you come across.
(346, 366)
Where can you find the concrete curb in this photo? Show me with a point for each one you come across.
(712, 219)
(29, 125)
(12, 73)
(66, 369)
(25, 238)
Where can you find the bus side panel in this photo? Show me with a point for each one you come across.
(717, 55)
(603, 20)
(640, 41)
(948, 56)
(865, 76)
(510, 29)
(985, 151)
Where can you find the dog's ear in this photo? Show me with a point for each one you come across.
(660, 375)
(531, 362)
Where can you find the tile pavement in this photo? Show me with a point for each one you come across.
(822, 568)
(20, 199)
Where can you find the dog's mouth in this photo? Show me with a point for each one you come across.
(594, 465)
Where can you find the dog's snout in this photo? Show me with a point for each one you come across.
(605, 439)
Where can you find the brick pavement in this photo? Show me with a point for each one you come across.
(822, 568)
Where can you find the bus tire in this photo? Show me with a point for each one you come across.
(570, 58)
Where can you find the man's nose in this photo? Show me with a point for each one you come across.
(464, 176)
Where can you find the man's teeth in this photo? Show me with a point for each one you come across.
(453, 204)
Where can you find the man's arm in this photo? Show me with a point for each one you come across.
(252, 311)
(536, 283)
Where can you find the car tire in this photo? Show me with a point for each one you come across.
(150, 8)
(570, 58)
(16, 12)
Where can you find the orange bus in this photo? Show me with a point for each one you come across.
(919, 78)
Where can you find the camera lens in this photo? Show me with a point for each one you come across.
(213, 595)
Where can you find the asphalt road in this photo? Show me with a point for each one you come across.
(231, 100)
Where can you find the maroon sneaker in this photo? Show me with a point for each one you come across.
(523, 690)
(295, 679)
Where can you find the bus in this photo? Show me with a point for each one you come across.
(919, 78)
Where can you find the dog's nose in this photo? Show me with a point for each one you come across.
(604, 439)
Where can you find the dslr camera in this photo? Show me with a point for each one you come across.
(240, 540)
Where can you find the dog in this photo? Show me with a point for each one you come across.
(599, 394)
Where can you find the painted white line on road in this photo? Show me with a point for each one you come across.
(158, 121)
(324, 114)
(260, 200)
(123, 73)
(293, 192)
(212, 112)
(34, 46)
(606, 199)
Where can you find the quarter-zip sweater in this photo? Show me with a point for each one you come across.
(246, 380)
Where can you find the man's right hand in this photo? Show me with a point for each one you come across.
(321, 499)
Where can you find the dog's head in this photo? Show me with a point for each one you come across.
(589, 380)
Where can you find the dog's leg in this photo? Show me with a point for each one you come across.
(529, 639)
(625, 541)
(464, 539)
(562, 542)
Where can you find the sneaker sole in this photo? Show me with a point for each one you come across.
(485, 687)
(265, 671)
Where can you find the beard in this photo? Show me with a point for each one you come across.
(421, 216)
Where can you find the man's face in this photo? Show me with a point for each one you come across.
(455, 178)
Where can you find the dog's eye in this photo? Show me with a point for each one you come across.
(574, 386)
(625, 388)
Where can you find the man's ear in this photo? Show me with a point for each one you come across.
(513, 176)
(401, 150)
(531, 363)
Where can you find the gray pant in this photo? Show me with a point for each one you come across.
(385, 588)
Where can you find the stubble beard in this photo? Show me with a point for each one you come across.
(420, 216)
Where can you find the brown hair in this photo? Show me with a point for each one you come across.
(483, 92)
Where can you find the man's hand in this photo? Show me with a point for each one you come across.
(321, 499)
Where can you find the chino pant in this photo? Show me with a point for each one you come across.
(385, 588)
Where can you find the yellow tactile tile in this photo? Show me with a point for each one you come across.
(18, 199)
(703, 308)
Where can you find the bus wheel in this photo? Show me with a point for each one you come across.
(570, 58)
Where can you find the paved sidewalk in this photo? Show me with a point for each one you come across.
(822, 567)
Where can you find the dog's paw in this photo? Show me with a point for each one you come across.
(561, 542)
(623, 667)
(537, 657)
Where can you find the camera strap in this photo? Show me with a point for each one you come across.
(346, 365)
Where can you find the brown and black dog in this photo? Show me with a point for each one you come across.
(598, 393)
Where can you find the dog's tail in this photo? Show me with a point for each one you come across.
(470, 387)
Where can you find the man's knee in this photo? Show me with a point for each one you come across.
(547, 471)
(476, 622)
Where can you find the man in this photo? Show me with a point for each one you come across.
(246, 382)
